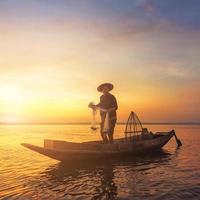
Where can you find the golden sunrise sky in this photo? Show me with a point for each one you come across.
(54, 54)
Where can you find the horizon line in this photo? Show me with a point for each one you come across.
(88, 123)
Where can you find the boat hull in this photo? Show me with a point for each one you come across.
(66, 151)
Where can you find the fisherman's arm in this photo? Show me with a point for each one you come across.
(99, 105)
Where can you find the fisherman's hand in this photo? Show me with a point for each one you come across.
(92, 105)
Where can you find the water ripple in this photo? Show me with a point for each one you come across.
(169, 174)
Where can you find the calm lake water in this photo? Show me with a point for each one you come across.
(171, 174)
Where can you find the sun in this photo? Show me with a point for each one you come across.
(11, 93)
(12, 103)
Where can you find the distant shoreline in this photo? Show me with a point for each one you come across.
(119, 123)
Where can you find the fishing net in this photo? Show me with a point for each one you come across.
(93, 121)
(106, 125)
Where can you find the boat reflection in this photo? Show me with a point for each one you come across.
(99, 180)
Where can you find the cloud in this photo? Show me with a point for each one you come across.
(65, 50)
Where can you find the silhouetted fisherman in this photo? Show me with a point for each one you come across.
(107, 106)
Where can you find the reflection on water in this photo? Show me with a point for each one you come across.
(98, 178)
(169, 174)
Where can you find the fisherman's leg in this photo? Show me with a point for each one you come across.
(110, 138)
(112, 127)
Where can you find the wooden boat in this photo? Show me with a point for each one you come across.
(68, 151)
(133, 143)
